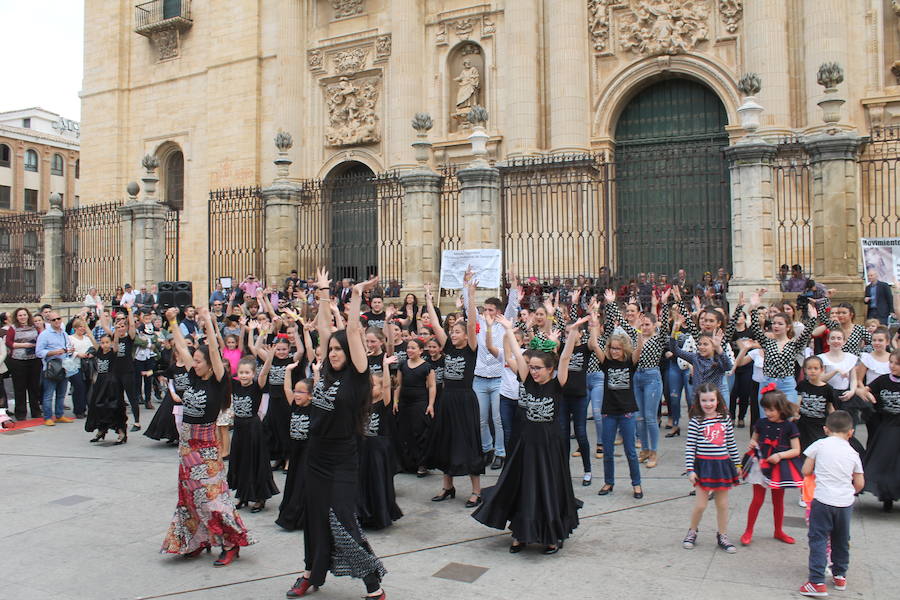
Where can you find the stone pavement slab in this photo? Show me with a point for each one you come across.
(86, 521)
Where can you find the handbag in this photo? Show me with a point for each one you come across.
(55, 370)
(89, 368)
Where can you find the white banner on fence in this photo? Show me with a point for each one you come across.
(487, 265)
(883, 255)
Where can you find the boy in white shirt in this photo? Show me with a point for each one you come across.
(839, 476)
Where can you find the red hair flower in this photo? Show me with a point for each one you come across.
(769, 388)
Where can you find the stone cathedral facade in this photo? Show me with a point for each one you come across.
(204, 87)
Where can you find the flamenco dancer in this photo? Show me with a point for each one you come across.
(292, 511)
(455, 443)
(163, 427)
(249, 474)
(417, 390)
(534, 492)
(881, 464)
(332, 538)
(377, 499)
(106, 407)
(205, 513)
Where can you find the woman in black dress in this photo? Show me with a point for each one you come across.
(205, 513)
(332, 538)
(377, 499)
(249, 474)
(534, 492)
(278, 418)
(163, 427)
(454, 446)
(106, 407)
(292, 511)
(416, 390)
(122, 335)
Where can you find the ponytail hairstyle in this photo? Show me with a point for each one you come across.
(777, 400)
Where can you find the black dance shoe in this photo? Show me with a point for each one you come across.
(553, 549)
(498, 463)
(258, 507)
(473, 503)
(451, 493)
(515, 548)
(606, 489)
(638, 492)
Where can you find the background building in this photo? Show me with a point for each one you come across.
(38, 157)
(650, 88)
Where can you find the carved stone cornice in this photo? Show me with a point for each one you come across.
(654, 27)
(348, 54)
(475, 22)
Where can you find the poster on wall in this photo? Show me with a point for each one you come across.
(487, 264)
(883, 255)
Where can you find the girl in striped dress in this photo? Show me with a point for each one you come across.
(711, 460)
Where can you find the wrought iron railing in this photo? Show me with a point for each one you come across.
(879, 176)
(91, 251)
(160, 14)
(173, 226)
(792, 182)
(21, 257)
(237, 230)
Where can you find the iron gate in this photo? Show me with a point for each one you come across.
(21, 257)
(673, 207)
(236, 234)
(91, 256)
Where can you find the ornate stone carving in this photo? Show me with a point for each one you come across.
(383, 46)
(352, 114)
(166, 41)
(750, 84)
(731, 12)
(598, 23)
(830, 75)
(665, 26)
(487, 27)
(344, 9)
(464, 28)
(351, 60)
(314, 59)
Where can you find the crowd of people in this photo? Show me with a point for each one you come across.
(342, 390)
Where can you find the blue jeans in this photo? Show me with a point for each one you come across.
(79, 393)
(508, 410)
(574, 409)
(788, 385)
(624, 424)
(828, 522)
(487, 389)
(679, 380)
(48, 391)
(648, 394)
(595, 384)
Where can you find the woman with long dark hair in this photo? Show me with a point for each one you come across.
(205, 513)
(24, 365)
(332, 538)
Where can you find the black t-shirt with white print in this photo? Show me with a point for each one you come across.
(245, 400)
(618, 394)
(814, 400)
(540, 401)
(203, 398)
(373, 319)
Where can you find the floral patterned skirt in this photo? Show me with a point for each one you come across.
(205, 513)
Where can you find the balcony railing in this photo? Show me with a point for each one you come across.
(157, 15)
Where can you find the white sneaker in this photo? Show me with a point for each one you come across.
(802, 503)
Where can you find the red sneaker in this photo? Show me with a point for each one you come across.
(813, 589)
(840, 583)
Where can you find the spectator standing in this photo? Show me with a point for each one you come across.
(143, 300)
(250, 285)
(91, 298)
(797, 281)
(218, 294)
(81, 343)
(53, 343)
(24, 365)
(188, 325)
(128, 297)
(879, 299)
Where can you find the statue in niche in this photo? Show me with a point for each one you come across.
(469, 81)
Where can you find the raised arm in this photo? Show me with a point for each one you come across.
(594, 338)
(215, 357)
(515, 356)
(489, 338)
(439, 331)
(181, 347)
(288, 381)
(263, 378)
(572, 335)
(471, 323)
(512, 299)
(354, 327)
(323, 314)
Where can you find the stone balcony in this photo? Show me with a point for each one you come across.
(155, 16)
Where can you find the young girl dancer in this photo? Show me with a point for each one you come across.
(163, 424)
(205, 513)
(292, 511)
(377, 500)
(455, 443)
(711, 460)
(332, 538)
(416, 393)
(873, 365)
(881, 464)
(534, 492)
(817, 401)
(840, 373)
(775, 445)
(249, 474)
(278, 417)
(106, 407)
(841, 317)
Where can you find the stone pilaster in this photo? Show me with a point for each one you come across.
(835, 217)
(53, 252)
(765, 40)
(753, 217)
(567, 82)
(148, 242)
(520, 119)
(479, 209)
(282, 200)
(421, 229)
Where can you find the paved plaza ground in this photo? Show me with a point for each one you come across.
(86, 521)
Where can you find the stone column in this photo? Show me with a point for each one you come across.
(766, 53)
(753, 217)
(421, 229)
(403, 85)
(567, 75)
(293, 102)
(520, 117)
(282, 200)
(479, 210)
(53, 252)
(835, 216)
(148, 240)
(825, 39)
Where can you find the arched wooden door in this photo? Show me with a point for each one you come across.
(673, 206)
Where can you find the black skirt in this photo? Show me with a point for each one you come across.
(377, 500)
(454, 445)
(810, 431)
(882, 460)
(162, 427)
(534, 492)
(106, 406)
(249, 473)
(277, 425)
(412, 432)
(292, 511)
